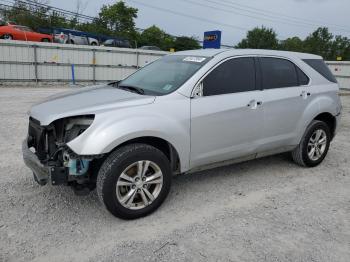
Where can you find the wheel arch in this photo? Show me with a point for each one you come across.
(9, 34)
(161, 144)
(329, 119)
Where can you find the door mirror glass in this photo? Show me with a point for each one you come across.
(198, 90)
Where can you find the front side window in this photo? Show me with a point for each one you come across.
(233, 76)
(278, 73)
(24, 28)
(165, 75)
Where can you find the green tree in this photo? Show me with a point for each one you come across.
(157, 37)
(320, 42)
(186, 43)
(260, 38)
(340, 48)
(34, 16)
(118, 18)
(292, 44)
(96, 27)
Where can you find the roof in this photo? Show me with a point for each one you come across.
(237, 52)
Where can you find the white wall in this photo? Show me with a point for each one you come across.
(46, 62)
(341, 70)
(32, 61)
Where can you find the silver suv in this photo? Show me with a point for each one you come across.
(183, 113)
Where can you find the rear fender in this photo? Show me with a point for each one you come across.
(321, 104)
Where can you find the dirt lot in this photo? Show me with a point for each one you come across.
(263, 210)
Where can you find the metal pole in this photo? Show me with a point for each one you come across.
(35, 64)
(94, 65)
(137, 59)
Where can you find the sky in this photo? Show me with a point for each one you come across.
(233, 17)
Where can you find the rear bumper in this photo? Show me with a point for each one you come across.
(41, 172)
(337, 124)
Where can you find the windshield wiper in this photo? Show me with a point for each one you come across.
(134, 89)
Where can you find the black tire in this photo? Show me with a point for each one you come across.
(45, 40)
(112, 169)
(94, 44)
(7, 37)
(300, 153)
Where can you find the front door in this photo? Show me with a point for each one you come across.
(227, 118)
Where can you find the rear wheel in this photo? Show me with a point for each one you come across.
(45, 40)
(134, 181)
(7, 37)
(314, 145)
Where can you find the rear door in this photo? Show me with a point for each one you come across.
(226, 118)
(286, 95)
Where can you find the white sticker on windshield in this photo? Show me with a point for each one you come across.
(194, 59)
(167, 87)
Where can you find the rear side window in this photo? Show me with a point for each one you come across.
(233, 76)
(278, 73)
(321, 67)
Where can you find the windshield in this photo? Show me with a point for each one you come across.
(165, 75)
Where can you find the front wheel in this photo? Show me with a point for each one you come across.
(134, 181)
(314, 145)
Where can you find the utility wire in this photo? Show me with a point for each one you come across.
(62, 11)
(235, 4)
(235, 12)
(190, 16)
(266, 15)
(55, 8)
(194, 17)
(51, 8)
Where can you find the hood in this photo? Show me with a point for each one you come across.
(88, 100)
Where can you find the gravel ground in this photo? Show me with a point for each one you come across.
(263, 210)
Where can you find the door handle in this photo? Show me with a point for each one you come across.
(253, 104)
(305, 94)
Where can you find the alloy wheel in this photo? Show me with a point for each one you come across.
(317, 144)
(139, 184)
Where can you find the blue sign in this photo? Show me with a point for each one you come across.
(212, 39)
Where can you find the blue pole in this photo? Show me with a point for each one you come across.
(73, 75)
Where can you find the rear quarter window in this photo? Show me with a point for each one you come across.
(321, 67)
(303, 79)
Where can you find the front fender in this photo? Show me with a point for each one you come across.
(111, 129)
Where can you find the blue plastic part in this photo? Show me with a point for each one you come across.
(73, 74)
(78, 167)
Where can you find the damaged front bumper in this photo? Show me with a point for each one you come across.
(56, 174)
(41, 173)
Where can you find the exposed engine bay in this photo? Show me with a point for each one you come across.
(49, 144)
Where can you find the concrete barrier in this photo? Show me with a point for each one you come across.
(341, 70)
